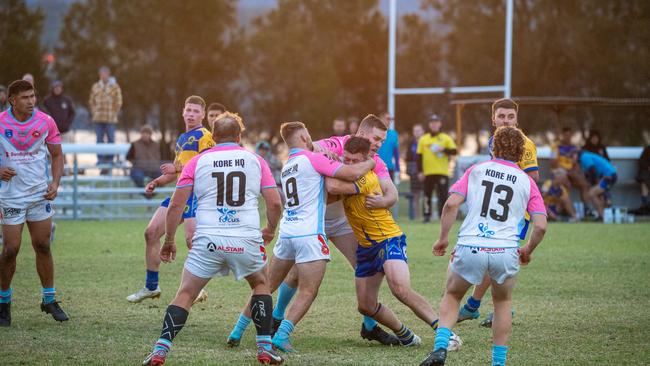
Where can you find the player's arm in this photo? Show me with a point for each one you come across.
(337, 186)
(533, 174)
(353, 172)
(159, 182)
(529, 161)
(172, 220)
(385, 200)
(449, 213)
(56, 153)
(539, 229)
(450, 147)
(273, 210)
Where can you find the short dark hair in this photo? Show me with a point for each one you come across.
(509, 143)
(288, 129)
(227, 128)
(371, 121)
(504, 103)
(217, 107)
(356, 145)
(195, 99)
(19, 86)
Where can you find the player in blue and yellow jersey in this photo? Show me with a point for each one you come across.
(564, 166)
(381, 250)
(556, 198)
(504, 113)
(189, 144)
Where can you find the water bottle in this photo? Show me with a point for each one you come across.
(608, 216)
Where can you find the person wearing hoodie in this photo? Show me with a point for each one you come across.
(60, 107)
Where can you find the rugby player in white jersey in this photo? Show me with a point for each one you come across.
(338, 230)
(28, 135)
(497, 193)
(227, 181)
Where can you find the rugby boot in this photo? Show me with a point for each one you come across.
(144, 293)
(487, 322)
(5, 314)
(415, 341)
(155, 358)
(379, 335)
(464, 314)
(435, 358)
(203, 296)
(268, 357)
(55, 310)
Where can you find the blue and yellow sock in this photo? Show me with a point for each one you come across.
(152, 280)
(499, 354)
(48, 295)
(472, 304)
(264, 341)
(162, 344)
(240, 327)
(5, 296)
(284, 331)
(442, 338)
(369, 323)
(285, 294)
(434, 325)
(405, 335)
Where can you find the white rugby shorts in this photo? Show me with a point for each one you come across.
(303, 249)
(16, 212)
(212, 256)
(472, 263)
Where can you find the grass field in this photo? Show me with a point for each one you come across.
(583, 301)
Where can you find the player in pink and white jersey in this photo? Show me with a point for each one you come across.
(28, 135)
(227, 181)
(337, 228)
(497, 193)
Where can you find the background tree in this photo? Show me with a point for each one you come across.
(21, 51)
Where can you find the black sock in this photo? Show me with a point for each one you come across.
(175, 318)
(261, 313)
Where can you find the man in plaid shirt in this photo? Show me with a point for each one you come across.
(105, 103)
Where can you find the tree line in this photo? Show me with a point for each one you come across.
(315, 60)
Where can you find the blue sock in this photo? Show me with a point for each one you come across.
(442, 338)
(499, 354)
(284, 331)
(48, 294)
(369, 323)
(434, 324)
(264, 342)
(152, 280)
(472, 304)
(240, 327)
(5, 296)
(285, 294)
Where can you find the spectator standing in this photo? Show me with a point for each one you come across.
(353, 125)
(59, 106)
(643, 177)
(595, 144)
(412, 171)
(339, 128)
(214, 110)
(389, 150)
(145, 157)
(4, 102)
(263, 149)
(105, 103)
(434, 150)
(29, 78)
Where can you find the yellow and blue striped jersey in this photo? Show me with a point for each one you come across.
(370, 226)
(191, 144)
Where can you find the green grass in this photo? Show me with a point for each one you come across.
(583, 300)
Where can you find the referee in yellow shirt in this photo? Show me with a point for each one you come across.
(434, 150)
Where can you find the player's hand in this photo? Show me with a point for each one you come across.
(421, 177)
(7, 173)
(52, 190)
(374, 200)
(150, 187)
(168, 251)
(440, 247)
(267, 235)
(525, 256)
(168, 168)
